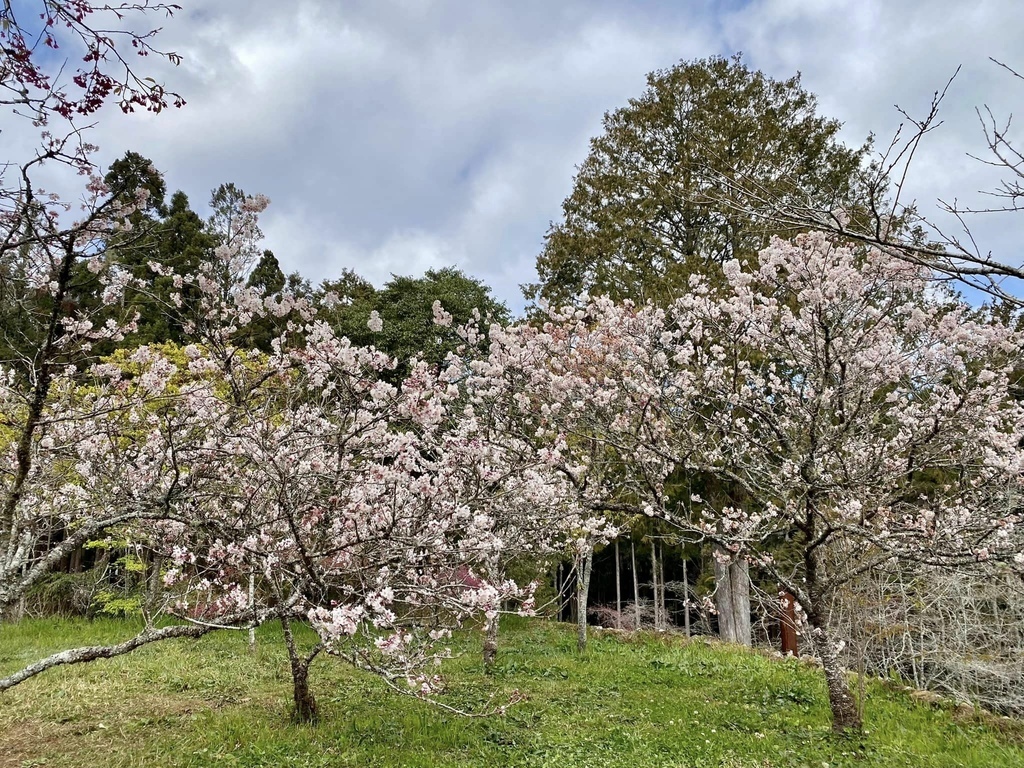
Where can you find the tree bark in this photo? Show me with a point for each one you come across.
(559, 598)
(636, 585)
(491, 643)
(491, 628)
(585, 562)
(82, 655)
(654, 585)
(661, 582)
(732, 598)
(845, 716)
(723, 600)
(739, 574)
(788, 625)
(686, 601)
(154, 583)
(306, 709)
(618, 588)
(252, 602)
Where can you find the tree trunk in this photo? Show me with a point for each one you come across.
(155, 584)
(252, 604)
(723, 600)
(585, 561)
(739, 574)
(618, 588)
(686, 601)
(661, 582)
(636, 585)
(573, 602)
(654, 585)
(306, 710)
(559, 598)
(732, 597)
(491, 643)
(845, 717)
(491, 624)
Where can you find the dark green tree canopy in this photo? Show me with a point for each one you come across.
(405, 305)
(353, 297)
(127, 175)
(266, 276)
(653, 202)
(181, 242)
(178, 240)
(170, 234)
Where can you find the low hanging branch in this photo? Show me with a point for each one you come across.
(91, 653)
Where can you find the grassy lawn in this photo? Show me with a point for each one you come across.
(638, 703)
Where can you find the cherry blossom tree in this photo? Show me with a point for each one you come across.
(862, 416)
(865, 417)
(540, 507)
(293, 485)
(47, 353)
(346, 498)
(558, 382)
(46, 338)
(367, 508)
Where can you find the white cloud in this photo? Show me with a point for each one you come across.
(864, 58)
(398, 136)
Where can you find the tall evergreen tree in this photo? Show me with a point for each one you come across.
(183, 245)
(267, 276)
(652, 203)
(132, 173)
(405, 306)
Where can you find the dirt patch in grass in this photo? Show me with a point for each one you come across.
(20, 742)
(27, 739)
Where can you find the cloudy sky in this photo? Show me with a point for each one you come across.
(393, 136)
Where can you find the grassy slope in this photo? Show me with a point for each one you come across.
(647, 702)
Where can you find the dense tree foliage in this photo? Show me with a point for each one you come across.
(405, 306)
(372, 461)
(866, 419)
(651, 204)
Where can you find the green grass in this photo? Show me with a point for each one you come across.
(643, 702)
